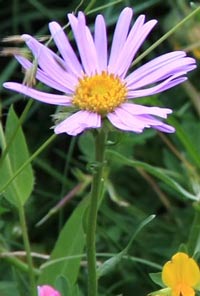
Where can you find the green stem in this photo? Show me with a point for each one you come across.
(96, 190)
(28, 249)
(90, 5)
(19, 264)
(28, 161)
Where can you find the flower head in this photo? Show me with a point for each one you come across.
(98, 85)
(47, 291)
(181, 274)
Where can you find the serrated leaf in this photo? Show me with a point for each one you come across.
(21, 187)
(71, 242)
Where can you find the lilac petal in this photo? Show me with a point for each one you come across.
(132, 46)
(85, 43)
(137, 27)
(100, 39)
(135, 109)
(157, 71)
(165, 128)
(125, 120)
(133, 42)
(50, 63)
(64, 47)
(168, 83)
(41, 76)
(147, 119)
(156, 124)
(131, 119)
(39, 95)
(117, 122)
(153, 65)
(120, 35)
(78, 122)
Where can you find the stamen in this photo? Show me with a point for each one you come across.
(100, 93)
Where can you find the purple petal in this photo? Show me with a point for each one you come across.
(41, 76)
(160, 68)
(85, 43)
(133, 42)
(118, 122)
(64, 47)
(165, 128)
(100, 39)
(50, 63)
(168, 83)
(125, 118)
(155, 123)
(135, 109)
(39, 95)
(153, 65)
(78, 122)
(120, 35)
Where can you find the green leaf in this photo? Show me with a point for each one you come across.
(155, 171)
(65, 287)
(110, 264)
(21, 187)
(8, 289)
(162, 292)
(189, 137)
(70, 243)
(157, 278)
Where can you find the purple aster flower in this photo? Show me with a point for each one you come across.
(97, 84)
(47, 291)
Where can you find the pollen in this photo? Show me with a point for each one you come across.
(100, 93)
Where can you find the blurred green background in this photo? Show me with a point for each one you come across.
(133, 193)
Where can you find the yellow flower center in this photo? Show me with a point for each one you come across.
(100, 93)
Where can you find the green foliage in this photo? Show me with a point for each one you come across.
(146, 174)
(20, 189)
(66, 288)
(156, 278)
(109, 265)
(8, 289)
(66, 255)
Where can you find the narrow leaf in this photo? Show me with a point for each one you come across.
(71, 242)
(157, 172)
(110, 264)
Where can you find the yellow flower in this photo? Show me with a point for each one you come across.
(181, 274)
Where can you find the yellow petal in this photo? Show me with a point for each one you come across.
(181, 270)
(183, 290)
